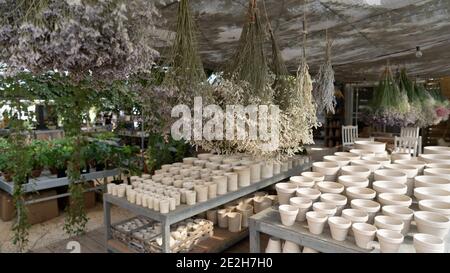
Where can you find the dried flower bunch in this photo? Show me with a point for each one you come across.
(105, 38)
(324, 88)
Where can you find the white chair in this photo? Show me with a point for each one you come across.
(413, 132)
(349, 135)
(406, 145)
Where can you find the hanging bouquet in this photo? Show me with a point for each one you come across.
(389, 105)
(441, 105)
(108, 39)
(324, 87)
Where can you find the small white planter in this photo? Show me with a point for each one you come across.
(360, 193)
(342, 161)
(189, 160)
(222, 218)
(212, 189)
(355, 215)
(435, 158)
(303, 204)
(291, 247)
(371, 165)
(311, 194)
(274, 245)
(232, 181)
(368, 206)
(202, 193)
(432, 223)
(389, 187)
(435, 206)
(432, 181)
(356, 171)
(430, 193)
(288, 214)
(400, 156)
(285, 191)
(191, 197)
(388, 222)
(394, 199)
(302, 181)
(420, 165)
(326, 168)
(340, 201)
(353, 181)
(352, 156)
(380, 159)
(437, 172)
(164, 206)
(330, 187)
(318, 177)
(436, 150)
(326, 208)
(389, 240)
(316, 221)
(243, 175)
(339, 227)
(266, 170)
(255, 170)
(426, 243)
(246, 210)
(276, 168)
(390, 175)
(364, 234)
(402, 213)
(371, 146)
(234, 221)
(222, 184)
(437, 166)
(362, 152)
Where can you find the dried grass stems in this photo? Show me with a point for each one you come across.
(324, 88)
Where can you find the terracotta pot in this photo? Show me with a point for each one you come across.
(389, 240)
(432, 182)
(234, 221)
(339, 227)
(326, 208)
(246, 210)
(330, 187)
(355, 215)
(36, 173)
(364, 234)
(440, 207)
(291, 247)
(266, 170)
(430, 193)
(402, 213)
(353, 181)
(389, 187)
(311, 194)
(388, 222)
(432, 223)
(303, 204)
(274, 245)
(243, 175)
(394, 199)
(288, 214)
(360, 193)
(316, 221)
(340, 201)
(285, 191)
(368, 206)
(302, 181)
(426, 243)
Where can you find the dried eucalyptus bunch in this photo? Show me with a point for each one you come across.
(108, 39)
(324, 88)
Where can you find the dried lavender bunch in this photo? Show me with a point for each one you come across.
(108, 39)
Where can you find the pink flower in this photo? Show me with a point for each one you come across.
(442, 112)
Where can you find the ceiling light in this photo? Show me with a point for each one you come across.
(418, 52)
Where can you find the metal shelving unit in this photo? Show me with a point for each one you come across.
(184, 211)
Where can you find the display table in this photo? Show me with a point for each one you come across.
(269, 222)
(184, 211)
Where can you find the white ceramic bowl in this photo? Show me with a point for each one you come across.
(435, 158)
(360, 193)
(381, 159)
(286, 187)
(318, 177)
(371, 165)
(353, 181)
(337, 199)
(326, 208)
(427, 243)
(388, 222)
(432, 223)
(432, 181)
(302, 181)
(342, 161)
(356, 171)
(420, 165)
(372, 146)
(436, 150)
(326, 168)
(435, 206)
(437, 172)
(330, 187)
(399, 156)
(389, 186)
(394, 199)
(352, 156)
(355, 215)
(410, 171)
(312, 194)
(368, 206)
(390, 175)
(437, 166)
(402, 213)
(362, 152)
(423, 193)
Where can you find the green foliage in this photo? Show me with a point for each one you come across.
(58, 153)
(165, 150)
(39, 152)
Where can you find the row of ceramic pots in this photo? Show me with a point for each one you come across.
(274, 245)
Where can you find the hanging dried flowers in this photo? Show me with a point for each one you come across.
(324, 87)
(107, 38)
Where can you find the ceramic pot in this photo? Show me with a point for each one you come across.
(288, 214)
(285, 191)
(437, 166)
(234, 221)
(430, 193)
(309, 250)
(276, 168)
(339, 227)
(326, 208)
(410, 171)
(232, 181)
(364, 234)
(432, 182)
(189, 160)
(402, 213)
(156, 203)
(212, 190)
(291, 247)
(368, 206)
(336, 199)
(390, 175)
(342, 161)
(419, 165)
(362, 152)
(303, 204)
(222, 218)
(266, 170)
(302, 181)
(436, 150)
(330, 187)
(243, 176)
(226, 167)
(389, 187)
(222, 184)
(216, 159)
(172, 203)
(388, 222)
(114, 190)
(150, 201)
(445, 173)
(360, 193)
(437, 206)
(316, 221)
(356, 171)
(261, 203)
(371, 146)
(202, 193)
(311, 194)
(212, 165)
(131, 196)
(435, 158)
(380, 159)
(426, 243)
(353, 181)
(400, 156)
(389, 240)
(352, 156)
(164, 206)
(191, 197)
(329, 169)
(394, 199)
(204, 156)
(274, 245)
(246, 210)
(318, 177)
(355, 215)
(371, 165)
(432, 223)
(284, 167)
(139, 199)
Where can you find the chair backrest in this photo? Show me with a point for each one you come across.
(407, 145)
(410, 132)
(349, 135)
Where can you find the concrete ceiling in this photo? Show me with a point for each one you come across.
(366, 33)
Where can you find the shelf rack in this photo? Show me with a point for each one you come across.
(184, 211)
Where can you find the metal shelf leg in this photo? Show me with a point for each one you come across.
(254, 237)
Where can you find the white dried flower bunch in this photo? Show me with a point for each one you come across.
(324, 88)
(105, 38)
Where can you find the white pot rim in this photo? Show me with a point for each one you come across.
(367, 205)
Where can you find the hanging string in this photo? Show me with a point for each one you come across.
(304, 29)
